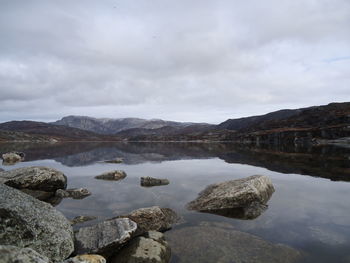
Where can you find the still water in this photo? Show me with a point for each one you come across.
(307, 220)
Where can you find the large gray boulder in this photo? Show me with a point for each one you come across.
(34, 178)
(150, 248)
(28, 222)
(251, 192)
(153, 218)
(104, 238)
(12, 254)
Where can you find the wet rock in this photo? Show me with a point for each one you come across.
(75, 193)
(150, 248)
(13, 254)
(117, 160)
(86, 259)
(153, 218)
(225, 245)
(113, 175)
(41, 195)
(246, 193)
(82, 219)
(28, 222)
(104, 238)
(34, 178)
(12, 157)
(150, 181)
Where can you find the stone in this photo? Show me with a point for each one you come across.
(150, 248)
(150, 181)
(113, 175)
(245, 192)
(225, 245)
(28, 222)
(12, 158)
(1, 170)
(13, 254)
(117, 160)
(86, 259)
(75, 193)
(153, 218)
(104, 238)
(82, 219)
(41, 195)
(34, 178)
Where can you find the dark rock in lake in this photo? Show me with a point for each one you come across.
(75, 193)
(28, 222)
(117, 160)
(150, 181)
(153, 218)
(34, 178)
(86, 259)
(41, 195)
(104, 238)
(13, 254)
(243, 193)
(113, 175)
(82, 219)
(150, 248)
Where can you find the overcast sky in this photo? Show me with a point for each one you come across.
(185, 60)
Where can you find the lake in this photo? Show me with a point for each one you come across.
(307, 219)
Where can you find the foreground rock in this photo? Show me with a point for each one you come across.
(113, 175)
(12, 157)
(249, 193)
(75, 193)
(153, 218)
(225, 245)
(150, 181)
(104, 238)
(82, 219)
(28, 222)
(86, 259)
(34, 178)
(150, 248)
(12, 254)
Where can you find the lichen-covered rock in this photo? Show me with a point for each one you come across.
(11, 158)
(34, 178)
(75, 193)
(150, 248)
(150, 181)
(28, 222)
(112, 175)
(233, 194)
(104, 238)
(13, 254)
(87, 258)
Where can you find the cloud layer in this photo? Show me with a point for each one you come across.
(180, 60)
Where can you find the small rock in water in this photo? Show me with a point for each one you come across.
(12, 158)
(92, 258)
(75, 193)
(13, 254)
(82, 219)
(113, 175)
(104, 238)
(150, 181)
(117, 160)
(150, 248)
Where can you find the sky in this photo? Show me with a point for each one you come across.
(183, 60)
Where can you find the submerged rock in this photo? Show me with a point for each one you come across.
(82, 219)
(75, 193)
(104, 238)
(86, 259)
(117, 160)
(34, 178)
(153, 218)
(225, 245)
(251, 193)
(12, 157)
(150, 248)
(113, 175)
(150, 181)
(13, 254)
(28, 222)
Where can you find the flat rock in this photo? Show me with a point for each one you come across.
(150, 248)
(153, 218)
(225, 245)
(104, 238)
(87, 258)
(13, 254)
(28, 222)
(112, 175)
(245, 192)
(117, 160)
(75, 193)
(34, 178)
(150, 181)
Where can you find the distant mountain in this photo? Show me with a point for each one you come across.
(113, 126)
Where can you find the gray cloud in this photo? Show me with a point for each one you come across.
(182, 60)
